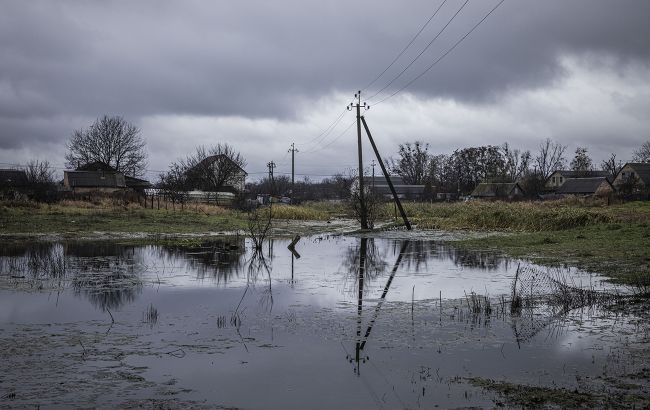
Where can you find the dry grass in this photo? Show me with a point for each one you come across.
(521, 216)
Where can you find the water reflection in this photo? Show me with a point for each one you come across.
(221, 259)
(360, 343)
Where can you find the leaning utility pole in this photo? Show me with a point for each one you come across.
(388, 181)
(293, 151)
(362, 202)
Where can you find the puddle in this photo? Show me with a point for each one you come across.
(104, 324)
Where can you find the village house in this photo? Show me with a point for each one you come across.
(100, 177)
(633, 177)
(222, 167)
(598, 186)
(498, 191)
(559, 177)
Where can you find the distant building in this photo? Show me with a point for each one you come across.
(495, 190)
(403, 190)
(100, 177)
(559, 177)
(634, 177)
(598, 186)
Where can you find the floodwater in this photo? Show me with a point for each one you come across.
(339, 322)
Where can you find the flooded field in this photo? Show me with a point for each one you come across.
(338, 322)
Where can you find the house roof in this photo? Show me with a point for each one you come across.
(581, 174)
(213, 158)
(495, 189)
(131, 182)
(582, 185)
(95, 179)
(642, 169)
(13, 178)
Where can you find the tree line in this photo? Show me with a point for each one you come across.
(120, 145)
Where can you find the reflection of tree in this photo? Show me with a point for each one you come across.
(375, 263)
(108, 282)
(106, 273)
(422, 251)
(219, 259)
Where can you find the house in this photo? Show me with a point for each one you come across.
(559, 177)
(633, 177)
(598, 186)
(380, 187)
(498, 190)
(219, 164)
(93, 181)
(13, 182)
(100, 177)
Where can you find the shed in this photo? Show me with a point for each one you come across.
(599, 186)
(498, 190)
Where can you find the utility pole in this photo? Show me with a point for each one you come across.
(293, 151)
(271, 166)
(362, 202)
(372, 164)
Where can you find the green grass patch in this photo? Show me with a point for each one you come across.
(620, 251)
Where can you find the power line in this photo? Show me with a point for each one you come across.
(407, 46)
(443, 55)
(421, 52)
(327, 130)
(333, 141)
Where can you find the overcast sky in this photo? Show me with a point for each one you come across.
(262, 74)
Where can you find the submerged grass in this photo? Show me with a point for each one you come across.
(618, 250)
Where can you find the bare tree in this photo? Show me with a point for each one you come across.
(643, 153)
(173, 184)
(612, 166)
(413, 163)
(39, 173)
(550, 157)
(40, 180)
(112, 141)
(517, 163)
(210, 169)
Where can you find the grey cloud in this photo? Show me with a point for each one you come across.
(78, 60)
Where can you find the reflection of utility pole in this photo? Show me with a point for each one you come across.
(271, 166)
(372, 164)
(293, 150)
(362, 272)
(362, 205)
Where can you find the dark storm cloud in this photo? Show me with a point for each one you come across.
(65, 62)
